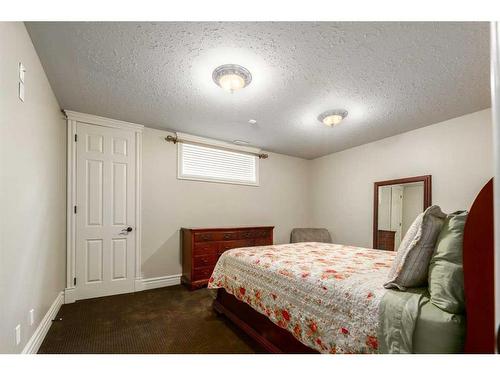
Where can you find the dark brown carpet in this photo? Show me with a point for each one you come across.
(166, 320)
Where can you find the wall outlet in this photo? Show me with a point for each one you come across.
(18, 334)
(32, 317)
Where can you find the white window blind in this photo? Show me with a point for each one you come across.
(198, 162)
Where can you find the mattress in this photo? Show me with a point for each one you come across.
(326, 295)
(410, 323)
(438, 331)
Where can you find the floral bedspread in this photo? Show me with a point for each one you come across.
(326, 295)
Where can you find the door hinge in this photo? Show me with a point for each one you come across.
(74, 281)
(74, 209)
(76, 137)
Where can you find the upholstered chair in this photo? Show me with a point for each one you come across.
(310, 235)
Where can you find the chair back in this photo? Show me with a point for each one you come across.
(310, 235)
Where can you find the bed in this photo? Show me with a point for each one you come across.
(325, 295)
(329, 298)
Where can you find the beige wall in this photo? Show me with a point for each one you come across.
(457, 153)
(335, 191)
(33, 189)
(169, 204)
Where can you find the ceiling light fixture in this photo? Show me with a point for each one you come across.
(252, 121)
(333, 117)
(232, 77)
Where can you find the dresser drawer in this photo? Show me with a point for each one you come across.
(246, 235)
(217, 236)
(205, 248)
(205, 236)
(263, 241)
(262, 233)
(228, 245)
(205, 260)
(202, 273)
(228, 236)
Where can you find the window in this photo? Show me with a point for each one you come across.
(206, 163)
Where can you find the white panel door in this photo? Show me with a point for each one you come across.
(105, 213)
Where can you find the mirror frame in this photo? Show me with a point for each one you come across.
(427, 180)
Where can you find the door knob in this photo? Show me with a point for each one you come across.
(126, 230)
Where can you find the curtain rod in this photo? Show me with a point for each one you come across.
(174, 140)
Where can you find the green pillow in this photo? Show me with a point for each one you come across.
(446, 275)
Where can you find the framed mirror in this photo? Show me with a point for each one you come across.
(396, 204)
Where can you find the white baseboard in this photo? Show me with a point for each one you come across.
(36, 340)
(69, 295)
(157, 282)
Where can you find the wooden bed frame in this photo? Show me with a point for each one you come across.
(478, 258)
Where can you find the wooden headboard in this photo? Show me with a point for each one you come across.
(478, 257)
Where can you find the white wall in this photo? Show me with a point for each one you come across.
(32, 190)
(282, 200)
(457, 153)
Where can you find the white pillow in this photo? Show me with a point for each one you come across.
(411, 265)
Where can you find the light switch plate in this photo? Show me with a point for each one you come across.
(21, 91)
(32, 317)
(22, 70)
(18, 334)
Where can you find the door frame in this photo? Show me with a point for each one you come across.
(495, 109)
(426, 179)
(70, 292)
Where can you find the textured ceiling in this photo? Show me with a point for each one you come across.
(391, 77)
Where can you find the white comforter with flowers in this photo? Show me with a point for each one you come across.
(326, 295)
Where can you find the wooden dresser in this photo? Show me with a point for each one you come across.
(201, 248)
(386, 240)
